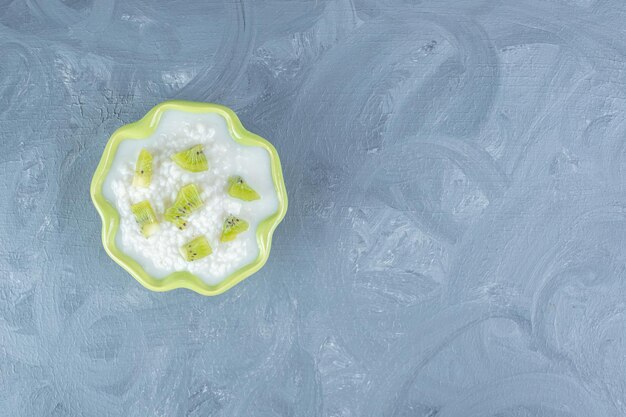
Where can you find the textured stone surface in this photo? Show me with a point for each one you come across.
(455, 240)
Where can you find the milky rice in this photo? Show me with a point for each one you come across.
(159, 254)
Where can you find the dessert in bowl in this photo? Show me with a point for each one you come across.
(189, 198)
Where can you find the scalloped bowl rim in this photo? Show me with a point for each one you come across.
(145, 127)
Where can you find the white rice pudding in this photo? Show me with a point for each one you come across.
(159, 254)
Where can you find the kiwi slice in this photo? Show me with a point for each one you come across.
(192, 159)
(145, 217)
(187, 201)
(232, 227)
(239, 188)
(195, 249)
(143, 169)
(174, 216)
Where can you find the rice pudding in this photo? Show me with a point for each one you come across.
(159, 252)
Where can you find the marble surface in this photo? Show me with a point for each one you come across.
(455, 244)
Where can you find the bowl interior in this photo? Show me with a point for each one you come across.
(110, 217)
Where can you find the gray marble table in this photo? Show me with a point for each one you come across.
(456, 239)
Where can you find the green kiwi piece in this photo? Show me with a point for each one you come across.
(143, 169)
(239, 188)
(232, 227)
(195, 249)
(192, 159)
(145, 217)
(174, 216)
(187, 201)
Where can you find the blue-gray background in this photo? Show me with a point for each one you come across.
(455, 240)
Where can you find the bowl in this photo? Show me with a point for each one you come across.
(111, 219)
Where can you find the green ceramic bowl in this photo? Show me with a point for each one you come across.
(110, 217)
